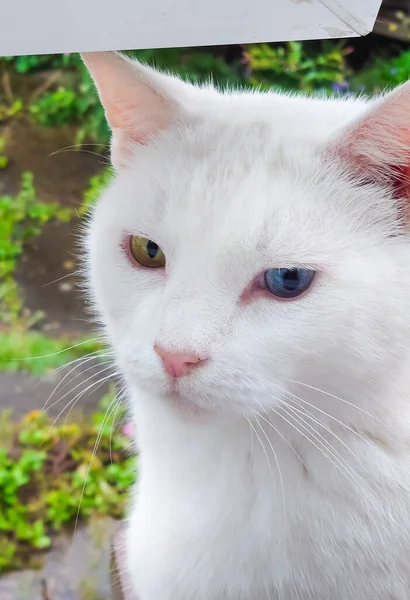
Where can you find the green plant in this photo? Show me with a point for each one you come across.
(22, 218)
(96, 186)
(35, 352)
(76, 104)
(296, 66)
(50, 475)
(3, 157)
(382, 73)
(14, 477)
(8, 111)
(56, 108)
(34, 62)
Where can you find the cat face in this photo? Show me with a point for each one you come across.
(243, 255)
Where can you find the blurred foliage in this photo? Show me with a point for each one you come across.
(39, 354)
(35, 62)
(53, 475)
(22, 218)
(295, 67)
(8, 111)
(76, 104)
(383, 73)
(3, 157)
(77, 101)
(290, 66)
(96, 186)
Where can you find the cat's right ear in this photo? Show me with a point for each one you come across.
(377, 145)
(138, 101)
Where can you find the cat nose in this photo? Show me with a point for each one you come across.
(177, 364)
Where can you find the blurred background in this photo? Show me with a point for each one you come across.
(64, 436)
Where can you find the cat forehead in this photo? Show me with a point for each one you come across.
(241, 184)
(229, 169)
(261, 200)
(213, 161)
(217, 159)
(219, 144)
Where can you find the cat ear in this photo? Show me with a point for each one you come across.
(377, 146)
(138, 101)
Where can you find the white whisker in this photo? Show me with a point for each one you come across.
(280, 475)
(56, 353)
(269, 465)
(61, 278)
(328, 429)
(280, 434)
(297, 415)
(120, 396)
(99, 436)
(310, 441)
(81, 364)
(77, 397)
(78, 385)
(96, 354)
(69, 149)
(359, 408)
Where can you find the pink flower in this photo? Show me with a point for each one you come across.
(128, 430)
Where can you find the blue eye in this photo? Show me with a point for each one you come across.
(288, 283)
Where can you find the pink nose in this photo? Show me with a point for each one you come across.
(176, 365)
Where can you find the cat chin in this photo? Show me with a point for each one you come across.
(184, 406)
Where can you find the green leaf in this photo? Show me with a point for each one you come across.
(42, 542)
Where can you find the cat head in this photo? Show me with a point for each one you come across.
(251, 248)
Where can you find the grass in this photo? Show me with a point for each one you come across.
(39, 354)
(53, 475)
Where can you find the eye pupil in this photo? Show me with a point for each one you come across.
(152, 249)
(288, 283)
(291, 279)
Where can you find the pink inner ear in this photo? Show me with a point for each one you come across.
(401, 183)
(398, 176)
(140, 119)
(135, 98)
(135, 122)
(378, 145)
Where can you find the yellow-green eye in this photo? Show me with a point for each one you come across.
(146, 252)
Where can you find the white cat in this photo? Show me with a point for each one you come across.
(263, 334)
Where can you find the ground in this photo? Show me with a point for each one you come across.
(77, 569)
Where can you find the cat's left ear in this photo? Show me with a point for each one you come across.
(377, 145)
(138, 101)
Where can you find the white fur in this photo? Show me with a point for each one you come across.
(251, 499)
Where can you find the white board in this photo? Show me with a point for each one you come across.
(54, 26)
